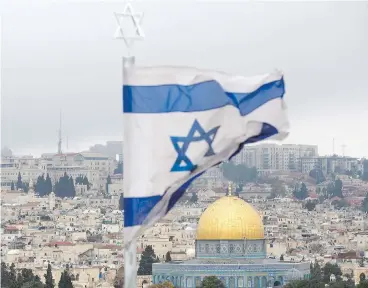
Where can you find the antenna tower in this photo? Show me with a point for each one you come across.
(60, 140)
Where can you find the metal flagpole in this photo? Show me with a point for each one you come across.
(130, 249)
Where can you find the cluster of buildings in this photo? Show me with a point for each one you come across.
(248, 240)
(95, 166)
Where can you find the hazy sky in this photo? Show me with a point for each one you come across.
(61, 55)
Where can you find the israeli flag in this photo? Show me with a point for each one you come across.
(181, 121)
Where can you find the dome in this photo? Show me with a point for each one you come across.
(230, 218)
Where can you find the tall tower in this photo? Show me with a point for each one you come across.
(60, 141)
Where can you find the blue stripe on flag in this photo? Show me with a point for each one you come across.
(136, 210)
(180, 98)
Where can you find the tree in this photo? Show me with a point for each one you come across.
(329, 269)
(365, 204)
(310, 205)
(65, 280)
(194, 198)
(362, 277)
(338, 188)
(317, 175)
(298, 284)
(239, 174)
(65, 187)
(40, 185)
(212, 282)
(86, 182)
(49, 281)
(119, 169)
(282, 257)
(121, 202)
(301, 193)
(5, 275)
(48, 185)
(19, 182)
(108, 181)
(365, 170)
(147, 259)
(12, 186)
(316, 274)
(165, 284)
(168, 257)
(363, 284)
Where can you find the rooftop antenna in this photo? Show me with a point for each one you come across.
(60, 141)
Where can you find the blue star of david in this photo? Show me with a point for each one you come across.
(181, 145)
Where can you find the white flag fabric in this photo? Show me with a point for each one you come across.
(181, 121)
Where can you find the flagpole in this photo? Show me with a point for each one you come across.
(130, 248)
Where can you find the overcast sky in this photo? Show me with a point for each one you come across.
(61, 55)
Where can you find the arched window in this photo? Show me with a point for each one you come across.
(362, 277)
(189, 282)
(232, 282)
(264, 282)
(257, 282)
(198, 282)
(240, 282)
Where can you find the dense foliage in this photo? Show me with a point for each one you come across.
(212, 282)
(80, 180)
(65, 187)
(147, 259)
(43, 186)
(240, 174)
(24, 278)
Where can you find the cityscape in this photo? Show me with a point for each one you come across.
(302, 212)
(183, 144)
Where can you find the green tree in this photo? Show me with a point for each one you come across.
(49, 281)
(301, 193)
(5, 275)
(316, 274)
(119, 169)
(365, 170)
(310, 205)
(282, 257)
(147, 259)
(212, 282)
(40, 185)
(239, 174)
(329, 269)
(363, 284)
(194, 198)
(108, 181)
(12, 186)
(338, 188)
(86, 182)
(65, 280)
(365, 204)
(71, 186)
(19, 182)
(12, 276)
(48, 185)
(165, 284)
(298, 284)
(317, 175)
(168, 257)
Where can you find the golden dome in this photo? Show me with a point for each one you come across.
(230, 218)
